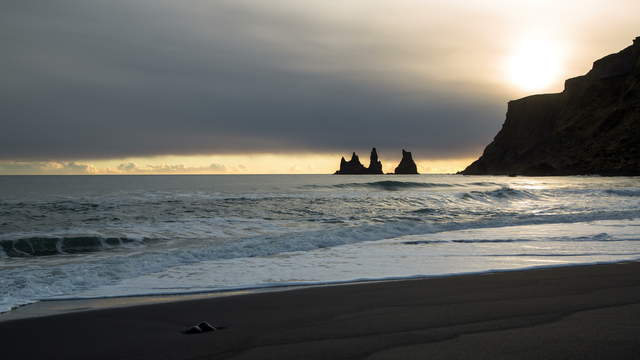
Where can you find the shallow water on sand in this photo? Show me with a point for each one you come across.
(98, 236)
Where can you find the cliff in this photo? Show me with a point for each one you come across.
(407, 166)
(354, 167)
(592, 127)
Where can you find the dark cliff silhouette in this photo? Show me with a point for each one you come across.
(354, 167)
(375, 165)
(592, 127)
(407, 166)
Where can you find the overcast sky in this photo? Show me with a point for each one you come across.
(117, 79)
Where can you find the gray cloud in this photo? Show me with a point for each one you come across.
(115, 79)
(131, 167)
(52, 167)
(217, 167)
(128, 167)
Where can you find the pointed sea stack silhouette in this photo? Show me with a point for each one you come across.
(375, 165)
(592, 127)
(407, 166)
(354, 167)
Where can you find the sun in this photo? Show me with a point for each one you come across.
(535, 65)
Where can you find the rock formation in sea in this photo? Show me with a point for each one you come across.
(407, 166)
(375, 165)
(592, 127)
(354, 167)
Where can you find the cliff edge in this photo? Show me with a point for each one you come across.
(592, 127)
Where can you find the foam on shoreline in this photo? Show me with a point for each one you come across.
(64, 305)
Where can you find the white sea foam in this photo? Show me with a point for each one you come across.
(378, 260)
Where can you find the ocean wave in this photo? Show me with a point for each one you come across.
(23, 285)
(562, 254)
(388, 185)
(596, 237)
(427, 211)
(623, 192)
(469, 241)
(425, 242)
(601, 237)
(504, 193)
(46, 246)
(489, 241)
(485, 183)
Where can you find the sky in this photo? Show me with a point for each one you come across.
(280, 86)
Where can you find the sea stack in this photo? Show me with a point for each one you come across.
(355, 167)
(407, 166)
(375, 165)
(351, 167)
(592, 127)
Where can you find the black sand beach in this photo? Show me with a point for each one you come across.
(581, 312)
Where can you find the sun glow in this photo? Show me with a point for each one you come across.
(218, 164)
(535, 65)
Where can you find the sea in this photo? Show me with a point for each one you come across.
(75, 237)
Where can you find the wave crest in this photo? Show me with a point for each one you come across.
(623, 192)
(504, 193)
(388, 185)
(45, 246)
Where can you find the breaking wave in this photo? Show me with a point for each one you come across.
(55, 243)
(26, 285)
(46, 246)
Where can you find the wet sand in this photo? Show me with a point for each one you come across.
(580, 312)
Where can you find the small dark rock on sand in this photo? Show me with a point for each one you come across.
(200, 328)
